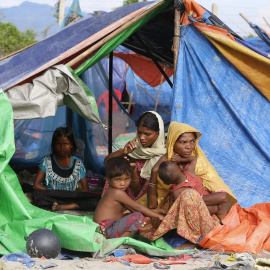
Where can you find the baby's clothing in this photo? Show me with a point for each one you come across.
(129, 223)
(192, 182)
(58, 178)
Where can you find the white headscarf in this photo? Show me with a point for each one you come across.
(151, 154)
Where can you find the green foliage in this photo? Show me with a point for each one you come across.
(249, 36)
(56, 6)
(11, 39)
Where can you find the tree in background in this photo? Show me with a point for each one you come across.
(12, 40)
(56, 7)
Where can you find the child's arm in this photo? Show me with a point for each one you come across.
(152, 195)
(192, 164)
(38, 180)
(177, 159)
(85, 187)
(125, 200)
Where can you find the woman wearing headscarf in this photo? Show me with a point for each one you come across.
(145, 150)
(188, 214)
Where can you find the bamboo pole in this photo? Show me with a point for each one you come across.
(266, 22)
(99, 44)
(110, 123)
(130, 102)
(61, 12)
(176, 39)
(159, 90)
(245, 18)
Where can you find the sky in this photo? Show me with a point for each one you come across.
(256, 11)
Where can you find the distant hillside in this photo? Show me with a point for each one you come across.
(28, 15)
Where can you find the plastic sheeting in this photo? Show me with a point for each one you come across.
(33, 137)
(56, 87)
(146, 97)
(213, 96)
(258, 43)
(265, 36)
(244, 229)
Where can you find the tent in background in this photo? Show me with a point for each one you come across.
(257, 42)
(221, 88)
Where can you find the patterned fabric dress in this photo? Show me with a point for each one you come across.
(129, 191)
(57, 178)
(129, 223)
(188, 215)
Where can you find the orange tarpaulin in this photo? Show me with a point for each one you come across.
(144, 68)
(244, 229)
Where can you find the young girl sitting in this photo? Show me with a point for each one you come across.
(59, 175)
(170, 173)
(109, 213)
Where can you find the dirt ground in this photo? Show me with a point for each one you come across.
(204, 259)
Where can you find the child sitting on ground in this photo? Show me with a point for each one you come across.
(109, 213)
(170, 173)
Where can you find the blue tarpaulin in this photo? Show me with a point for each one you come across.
(261, 33)
(213, 96)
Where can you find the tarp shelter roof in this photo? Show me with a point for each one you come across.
(76, 38)
(82, 35)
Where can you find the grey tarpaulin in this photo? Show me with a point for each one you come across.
(55, 87)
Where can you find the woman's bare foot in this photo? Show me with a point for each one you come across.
(56, 207)
(222, 211)
(186, 246)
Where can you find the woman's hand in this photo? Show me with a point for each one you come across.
(130, 146)
(123, 152)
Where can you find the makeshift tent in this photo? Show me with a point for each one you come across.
(221, 88)
(76, 233)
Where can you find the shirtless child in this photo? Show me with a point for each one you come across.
(109, 213)
(170, 173)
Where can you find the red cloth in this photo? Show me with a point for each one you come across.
(105, 97)
(194, 183)
(140, 259)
